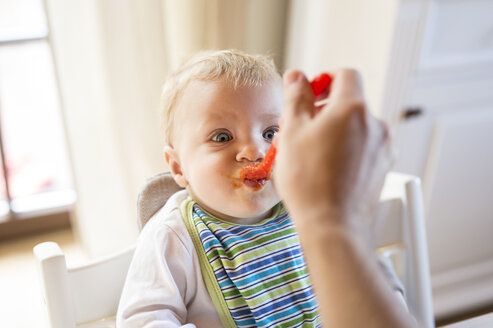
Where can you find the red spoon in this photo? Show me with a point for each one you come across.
(257, 174)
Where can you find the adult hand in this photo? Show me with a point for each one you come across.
(330, 168)
(331, 161)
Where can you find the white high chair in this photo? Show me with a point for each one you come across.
(81, 296)
(88, 295)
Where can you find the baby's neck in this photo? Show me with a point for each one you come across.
(236, 220)
(231, 219)
(246, 221)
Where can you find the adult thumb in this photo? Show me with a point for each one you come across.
(298, 97)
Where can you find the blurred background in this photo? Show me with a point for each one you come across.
(80, 86)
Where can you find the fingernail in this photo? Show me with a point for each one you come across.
(291, 77)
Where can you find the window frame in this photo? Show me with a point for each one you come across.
(14, 224)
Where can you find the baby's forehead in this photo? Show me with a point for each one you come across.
(221, 98)
(210, 87)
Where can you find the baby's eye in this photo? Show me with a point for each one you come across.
(270, 133)
(221, 137)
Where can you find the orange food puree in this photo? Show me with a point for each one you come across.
(255, 175)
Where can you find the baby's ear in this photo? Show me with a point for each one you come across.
(173, 162)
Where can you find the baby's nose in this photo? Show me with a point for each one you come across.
(250, 152)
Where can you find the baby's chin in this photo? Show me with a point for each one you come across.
(237, 206)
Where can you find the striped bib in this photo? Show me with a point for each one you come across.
(255, 274)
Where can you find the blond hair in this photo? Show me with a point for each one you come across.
(237, 67)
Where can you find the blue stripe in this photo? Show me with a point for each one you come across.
(269, 259)
(268, 274)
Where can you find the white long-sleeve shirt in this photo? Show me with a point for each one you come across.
(164, 285)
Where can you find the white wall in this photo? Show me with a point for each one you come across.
(329, 34)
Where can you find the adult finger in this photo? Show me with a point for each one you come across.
(346, 85)
(346, 98)
(298, 97)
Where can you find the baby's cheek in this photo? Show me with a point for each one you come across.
(212, 184)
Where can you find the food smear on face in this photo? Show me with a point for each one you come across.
(235, 182)
(256, 175)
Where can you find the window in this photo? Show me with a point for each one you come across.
(35, 182)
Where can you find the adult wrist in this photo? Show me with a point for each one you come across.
(321, 216)
(325, 222)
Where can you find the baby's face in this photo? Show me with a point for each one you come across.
(218, 131)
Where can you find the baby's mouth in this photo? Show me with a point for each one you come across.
(255, 184)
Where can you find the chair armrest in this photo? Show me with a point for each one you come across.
(47, 250)
(53, 276)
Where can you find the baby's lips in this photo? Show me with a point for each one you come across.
(255, 184)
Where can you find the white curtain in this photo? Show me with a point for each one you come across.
(256, 26)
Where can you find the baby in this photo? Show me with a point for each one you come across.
(222, 252)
